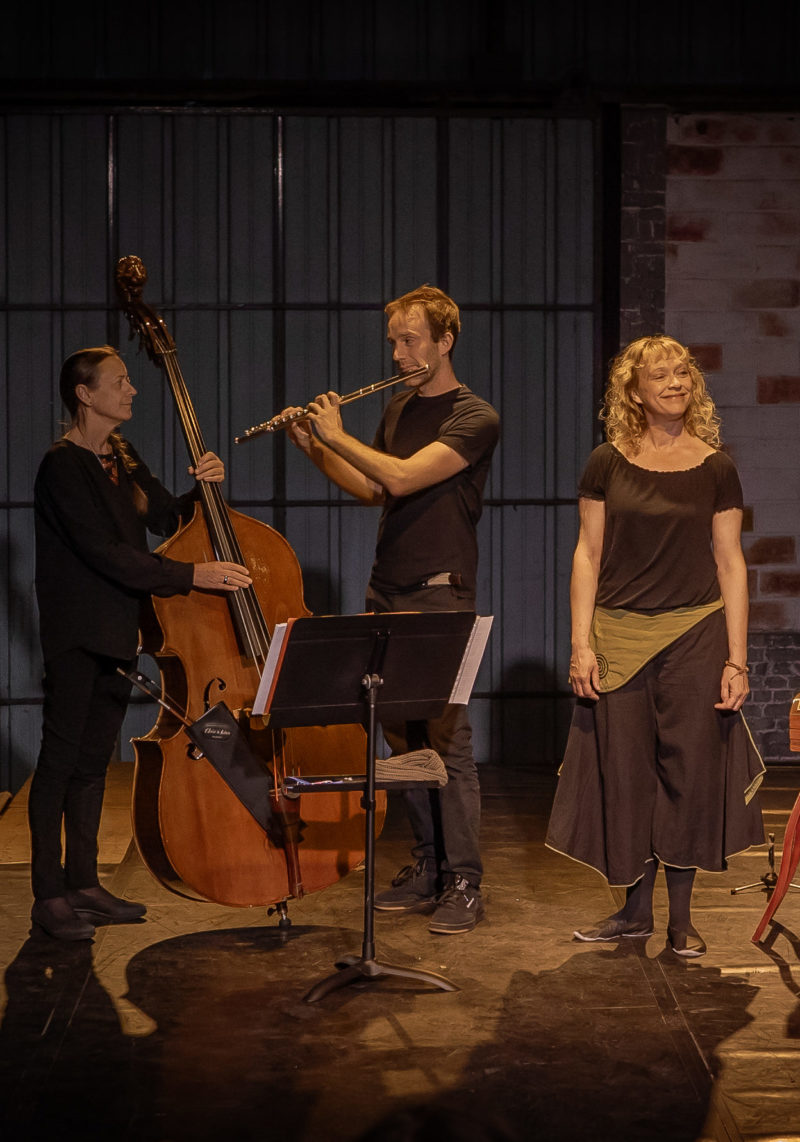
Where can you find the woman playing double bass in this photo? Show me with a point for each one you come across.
(95, 500)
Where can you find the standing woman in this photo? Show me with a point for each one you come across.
(94, 501)
(659, 765)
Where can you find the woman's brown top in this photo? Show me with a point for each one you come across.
(657, 550)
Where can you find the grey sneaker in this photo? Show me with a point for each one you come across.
(459, 909)
(413, 889)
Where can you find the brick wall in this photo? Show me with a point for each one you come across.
(733, 294)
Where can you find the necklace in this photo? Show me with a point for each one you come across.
(106, 460)
(88, 446)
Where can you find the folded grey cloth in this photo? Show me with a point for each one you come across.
(419, 765)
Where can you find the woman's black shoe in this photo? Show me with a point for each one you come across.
(59, 919)
(689, 944)
(98, 903)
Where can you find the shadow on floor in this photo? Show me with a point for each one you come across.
(236, 1053)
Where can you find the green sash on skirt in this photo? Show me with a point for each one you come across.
(625, 641)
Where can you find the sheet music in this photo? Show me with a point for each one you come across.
(274, 656)
(282, 644)
(467, 673)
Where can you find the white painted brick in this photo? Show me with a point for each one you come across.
(760, 455)
(696, 293)
(777, 517)
(765, 356)
(711, 260)
(702, 326)
(777, 261)
(741, 130)
(685, 194)
(765, 484)
(751, 213)
(791, 608)
(769, 162)
(731, 390)
(765, 423)
(772, 225)
(695, 225)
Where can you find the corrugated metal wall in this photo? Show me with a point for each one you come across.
(272, 244)
(483, 48)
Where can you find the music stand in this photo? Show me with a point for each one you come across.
(351, 668)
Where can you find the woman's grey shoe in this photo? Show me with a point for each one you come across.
(613, 927)
(689, 943)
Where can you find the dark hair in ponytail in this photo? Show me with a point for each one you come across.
(80, 368)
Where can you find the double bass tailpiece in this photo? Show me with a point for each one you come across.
(278, 422)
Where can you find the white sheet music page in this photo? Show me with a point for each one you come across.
(467, 672)
(270, 668)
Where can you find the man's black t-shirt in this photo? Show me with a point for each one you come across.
(434, 530)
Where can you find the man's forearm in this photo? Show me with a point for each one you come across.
(345, 474)
(377, 468)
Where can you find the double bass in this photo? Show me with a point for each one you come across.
(192, 831)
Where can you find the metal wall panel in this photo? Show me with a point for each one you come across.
(32, 156)
(144, 195)
(464, 46)
(272, 244)
(414, 165)
(252, 400)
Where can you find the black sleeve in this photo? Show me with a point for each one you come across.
(472, 431)
(165, 512)
(593, 482)
(729, 488)
(70, 504)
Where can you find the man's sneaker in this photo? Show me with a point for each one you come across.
(413, 889)
(459, 908)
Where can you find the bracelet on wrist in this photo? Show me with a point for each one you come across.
(735, 666)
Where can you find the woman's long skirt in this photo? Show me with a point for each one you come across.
(653, 769)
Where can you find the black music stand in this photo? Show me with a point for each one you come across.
(348, 669)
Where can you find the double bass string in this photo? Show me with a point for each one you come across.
(244, 606)
(243, 602)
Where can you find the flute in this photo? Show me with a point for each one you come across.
(278, 422)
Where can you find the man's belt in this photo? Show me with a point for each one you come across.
(443, 579)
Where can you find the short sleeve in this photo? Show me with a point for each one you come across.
(592, 484)
(728, 485)
(472, 432)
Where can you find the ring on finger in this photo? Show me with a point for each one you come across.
(224, 578)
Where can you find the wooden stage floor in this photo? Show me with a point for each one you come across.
(192, 1025)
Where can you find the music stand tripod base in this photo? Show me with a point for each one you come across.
(365, 966)
(331, 669)
(353, 968)
(766, 882)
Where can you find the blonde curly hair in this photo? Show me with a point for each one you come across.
(625, 420)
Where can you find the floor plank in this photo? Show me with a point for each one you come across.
(192, 1024)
